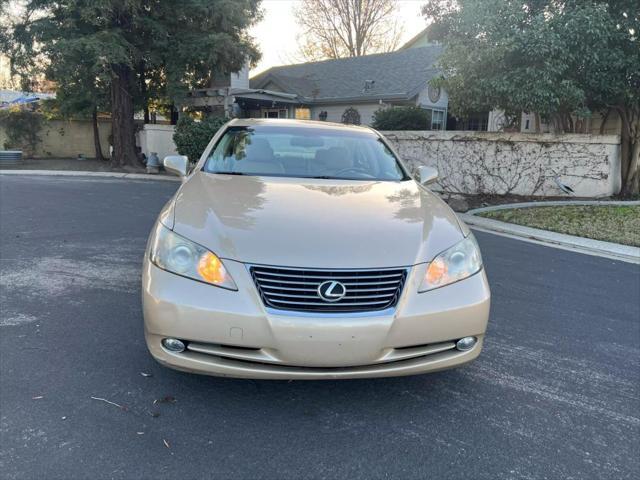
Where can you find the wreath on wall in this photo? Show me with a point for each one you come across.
(351, 116)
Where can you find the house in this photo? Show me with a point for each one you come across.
(347, 90)
(350, 90)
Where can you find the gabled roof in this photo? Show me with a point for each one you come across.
(418, 41)
(399, 75)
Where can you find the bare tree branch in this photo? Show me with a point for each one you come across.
(346, 28)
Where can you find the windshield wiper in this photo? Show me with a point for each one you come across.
(325, 177)
(230, 173)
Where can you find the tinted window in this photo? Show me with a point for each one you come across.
(304, 152)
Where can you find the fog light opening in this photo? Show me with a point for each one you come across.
(173, 345)
(466, 343)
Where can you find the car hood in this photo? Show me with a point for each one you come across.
(314, 223)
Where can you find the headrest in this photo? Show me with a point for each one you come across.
(338, 158)
(322, 156)
(258, 150)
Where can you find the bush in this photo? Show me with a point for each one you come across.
(401, 118)
(21, 128)
(192, 137)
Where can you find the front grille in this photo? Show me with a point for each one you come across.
(297, 289)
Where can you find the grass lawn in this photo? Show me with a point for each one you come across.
(611, 223)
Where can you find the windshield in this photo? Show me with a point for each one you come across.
(304, 152)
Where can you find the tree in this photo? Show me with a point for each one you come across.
(346, 28)
(3, 27)
(82, 94)
(82, 88)
(563, 60)
(131, 45)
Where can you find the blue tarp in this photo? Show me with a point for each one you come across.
(22, 100)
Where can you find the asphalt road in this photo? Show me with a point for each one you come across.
(555, 394)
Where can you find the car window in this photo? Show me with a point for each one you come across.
(304, 152)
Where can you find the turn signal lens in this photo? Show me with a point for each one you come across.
(176, 254)
(436, 271)
(457, 263)
(211, 269)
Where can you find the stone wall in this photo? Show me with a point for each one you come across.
(515, 163)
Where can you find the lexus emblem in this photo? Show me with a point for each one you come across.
(331, 291)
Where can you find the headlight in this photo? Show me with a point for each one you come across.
(458, 262)
(176, 254)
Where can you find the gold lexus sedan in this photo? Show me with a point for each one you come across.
(306, 250)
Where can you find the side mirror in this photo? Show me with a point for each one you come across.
(427, 175)
(176, 164)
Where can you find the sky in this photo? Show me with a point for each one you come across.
(276, 33)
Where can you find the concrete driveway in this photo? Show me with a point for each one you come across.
(556, 393)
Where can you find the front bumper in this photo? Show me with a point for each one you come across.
(233, 334)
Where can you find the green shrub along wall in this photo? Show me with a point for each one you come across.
(401, 118)
(192, 137)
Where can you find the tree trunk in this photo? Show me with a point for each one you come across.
(122, 126)
(174, 115)
(96, 135)
(633, 174)
(625, 153)
(629, 153)
(603, 122)
(630, 163)
(143, 91)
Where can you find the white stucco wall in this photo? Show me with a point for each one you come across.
(157, 138)
(515, 163)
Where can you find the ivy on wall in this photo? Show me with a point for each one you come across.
(21, 128)
(516, 164)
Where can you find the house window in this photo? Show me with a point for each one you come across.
(478, 122)
(303, 113)
(437, 120)
(275, 113)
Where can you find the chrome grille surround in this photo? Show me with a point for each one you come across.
(296, 289)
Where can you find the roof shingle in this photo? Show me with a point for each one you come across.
(399, 74)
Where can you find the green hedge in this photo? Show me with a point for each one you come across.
(192, 137)
(401, 118)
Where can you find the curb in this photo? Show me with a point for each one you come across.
(587, 246)
(77, 173)
(551, 203)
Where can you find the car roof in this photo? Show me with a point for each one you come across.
(288, 122)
